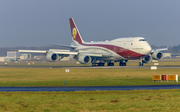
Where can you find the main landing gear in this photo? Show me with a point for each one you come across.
(122, 64)
(110, 64)
(98, 64)
(103, 63)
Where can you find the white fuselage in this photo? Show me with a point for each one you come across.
(121, 48)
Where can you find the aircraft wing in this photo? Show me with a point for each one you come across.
(46, 51)
(67, 52)
(61, 45)
(159, 50)
(33, 51)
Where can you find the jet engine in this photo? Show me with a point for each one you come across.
(84, 59)
(51, 56)
(147, 59)
(157, 55)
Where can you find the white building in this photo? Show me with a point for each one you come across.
(13, 54)
(25, 57)
(166, 55)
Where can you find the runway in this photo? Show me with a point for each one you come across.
(88, 88)
(90, 67)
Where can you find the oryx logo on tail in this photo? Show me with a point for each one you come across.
(74, 33)
(76, 37)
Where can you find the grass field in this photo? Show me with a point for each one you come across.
(84, 101)
(80, 77)
(103, 101)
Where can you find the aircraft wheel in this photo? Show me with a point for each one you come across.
(102, 64)
(93, 64)
(110, 64)
(124, 64)
(141, 64)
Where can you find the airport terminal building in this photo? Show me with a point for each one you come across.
(11, 56)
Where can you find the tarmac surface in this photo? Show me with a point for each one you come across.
(88, 88)
(89, 67)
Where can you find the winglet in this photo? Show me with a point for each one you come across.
(76, 37)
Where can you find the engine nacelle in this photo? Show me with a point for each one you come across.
(157, 55)
(84, 59)
(147, 59)
(51, 56)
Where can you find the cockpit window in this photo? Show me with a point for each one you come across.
(142, 39)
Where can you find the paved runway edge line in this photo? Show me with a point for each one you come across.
(104, 88)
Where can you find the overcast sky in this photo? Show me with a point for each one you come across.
(36, 22)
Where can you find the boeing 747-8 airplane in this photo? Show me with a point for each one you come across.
(98, 53)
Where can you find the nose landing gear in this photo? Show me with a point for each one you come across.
(141, 61)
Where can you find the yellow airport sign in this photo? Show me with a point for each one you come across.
(167, 77)
(171, 77)
(156, 77)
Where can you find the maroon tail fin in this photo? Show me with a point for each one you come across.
(74, 31)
